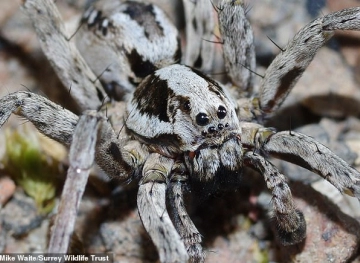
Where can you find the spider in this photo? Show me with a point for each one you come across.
(167, 125)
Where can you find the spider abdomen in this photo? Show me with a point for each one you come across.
(116, 38)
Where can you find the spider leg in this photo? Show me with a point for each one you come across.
(152, 209)
(306, 152)
(49, 118)
(199, 50)
(63, 55)
(117, 158)
(238, 44)
(289, 65)
(81, 157)
(182, 221)
(291, 225)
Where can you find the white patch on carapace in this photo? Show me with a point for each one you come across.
(145, 125)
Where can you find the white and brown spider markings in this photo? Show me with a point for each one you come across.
(180, 126)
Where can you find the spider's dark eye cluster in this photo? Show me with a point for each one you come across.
(202, 119)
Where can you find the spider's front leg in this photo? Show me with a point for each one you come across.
(182, 221)
(290, 223)
(287, 67)
(306, 152)
(301, 150)
(93, 139)
(153, 212)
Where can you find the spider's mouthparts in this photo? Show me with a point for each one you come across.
(217, 140)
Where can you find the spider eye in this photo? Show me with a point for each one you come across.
(187, 106)
(221, 112)
(212, 129)
(202, 119)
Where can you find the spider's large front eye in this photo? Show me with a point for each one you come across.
(202, 119)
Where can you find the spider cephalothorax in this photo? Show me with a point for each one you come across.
(176, 105)
(170, 125)
(179, 112)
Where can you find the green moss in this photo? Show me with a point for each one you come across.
(261, 255)
(31, 168)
